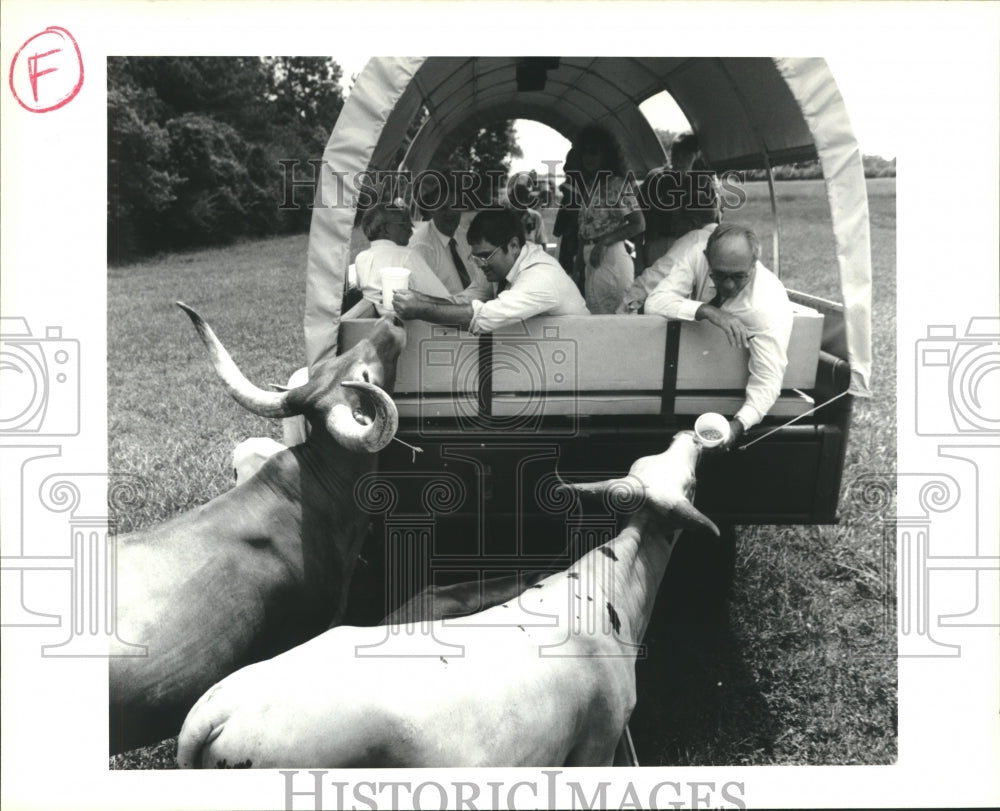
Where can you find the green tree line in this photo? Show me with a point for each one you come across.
(874, 165)
(196, 147)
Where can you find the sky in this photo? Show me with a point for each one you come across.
(866, 105)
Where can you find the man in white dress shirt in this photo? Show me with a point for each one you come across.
(714, 274)
(529, 281)
(435, 241)
(388, 228)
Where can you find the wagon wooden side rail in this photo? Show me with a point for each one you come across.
(597, 390)
(584, 366)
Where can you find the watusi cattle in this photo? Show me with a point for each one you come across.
(264, 566)
(546, 679)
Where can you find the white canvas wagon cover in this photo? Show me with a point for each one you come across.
(747, 112)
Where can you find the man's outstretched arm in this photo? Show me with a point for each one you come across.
(410, 305)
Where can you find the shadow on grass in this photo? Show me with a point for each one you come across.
(697, 701)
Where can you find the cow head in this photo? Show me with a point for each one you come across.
(345, 394)
(660, 485)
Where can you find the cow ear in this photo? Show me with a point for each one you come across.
(685, 515)
(590, 488)
(625, 494)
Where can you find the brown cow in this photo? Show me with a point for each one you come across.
(264, 566)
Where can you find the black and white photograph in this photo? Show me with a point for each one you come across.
(600, 430)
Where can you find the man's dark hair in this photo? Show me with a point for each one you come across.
(684, 145)
(497, 227)
(675, 202)
(433, 192)
(594, 136)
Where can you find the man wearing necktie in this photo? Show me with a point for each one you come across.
(435, 241)
(714, 274)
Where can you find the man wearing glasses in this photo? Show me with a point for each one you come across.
(529, 281)
(714, 274)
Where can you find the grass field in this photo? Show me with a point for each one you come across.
(804, 670)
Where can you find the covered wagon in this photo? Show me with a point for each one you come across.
(590, 393)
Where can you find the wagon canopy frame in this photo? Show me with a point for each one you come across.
(748, 112)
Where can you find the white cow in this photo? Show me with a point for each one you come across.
(547, 679)
(249, 456)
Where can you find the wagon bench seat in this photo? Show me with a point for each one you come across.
(585, 365)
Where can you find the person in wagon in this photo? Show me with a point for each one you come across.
(609, 215)
(714, 274)
(521, 198)
(529, 281)
(388, 228)
(676, 199)
(434, 239)
(566, 226)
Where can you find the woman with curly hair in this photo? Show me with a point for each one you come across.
(609, 214)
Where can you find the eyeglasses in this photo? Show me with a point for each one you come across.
(482, 261)
(733, 277)
(722, 276)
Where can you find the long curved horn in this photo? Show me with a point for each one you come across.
(258, 401)
(357, 437)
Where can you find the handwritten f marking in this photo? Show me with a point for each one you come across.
(34, 73)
